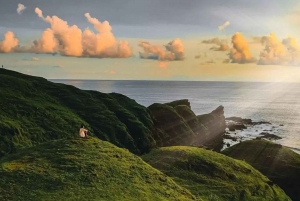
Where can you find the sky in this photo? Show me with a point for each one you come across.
(233, 40)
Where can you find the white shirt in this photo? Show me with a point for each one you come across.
(81, 132)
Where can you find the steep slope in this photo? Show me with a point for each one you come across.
(213, 176)
(34, 110)
(277, 162)
(178, 125)
(83, 169)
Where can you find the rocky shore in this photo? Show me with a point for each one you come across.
(239, 130)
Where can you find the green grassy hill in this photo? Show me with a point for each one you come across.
(213, 176)
(278, 163)
(34, 110)
(83, 169)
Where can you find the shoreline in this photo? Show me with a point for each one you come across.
(255, 130)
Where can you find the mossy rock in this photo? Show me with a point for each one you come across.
(278, 163)
(83, 169)
(213, 176)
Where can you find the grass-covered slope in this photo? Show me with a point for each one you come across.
(213, 176)
(83, 169)
(277, 162)
(34, 110)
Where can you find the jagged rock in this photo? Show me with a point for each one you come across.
(266, 135)
(177, 124)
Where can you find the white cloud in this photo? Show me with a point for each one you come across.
(20, 8)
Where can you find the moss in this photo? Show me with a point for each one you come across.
(278, 163)
(213, 176)
(83, 169)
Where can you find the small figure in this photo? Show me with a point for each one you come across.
(2, 66)
(83, 132)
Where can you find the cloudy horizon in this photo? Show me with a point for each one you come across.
(196, 40)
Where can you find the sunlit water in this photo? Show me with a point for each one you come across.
(278, 103)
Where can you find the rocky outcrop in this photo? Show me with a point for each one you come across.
(177, 124)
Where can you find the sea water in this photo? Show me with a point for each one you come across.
(277, 103)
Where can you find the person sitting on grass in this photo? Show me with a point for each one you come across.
(83, 132)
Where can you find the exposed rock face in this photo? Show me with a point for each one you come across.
(177, 124)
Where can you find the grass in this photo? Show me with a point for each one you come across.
(277, 162)
(213, 176)
(83, 169)
(34, 110)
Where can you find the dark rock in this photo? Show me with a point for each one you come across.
(239, 120)
(235, 126)
(268, 136)
(230, 137)
(177, 124)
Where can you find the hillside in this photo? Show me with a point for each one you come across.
(83, 169)
(278, 163)
(213, 176)
(34, 110)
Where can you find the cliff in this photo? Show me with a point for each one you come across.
(177, 124)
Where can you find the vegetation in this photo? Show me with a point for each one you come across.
(278, 163)
(34, 110)
(213, 176)
(83, 169)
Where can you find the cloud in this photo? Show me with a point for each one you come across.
(206, 63)
(274, 52)
(20, 8)
(46, 44)
(222, 27)
(290, 43)
(174, 50)
(39, 12)
(240, 52)
(72, 41)
(112, 72)
(35, 59)
(216, 41)
(226, 61)
(9, 42)
(256, 39)
(163, 64)
(223, 47)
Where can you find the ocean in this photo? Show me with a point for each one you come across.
(277, 103)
